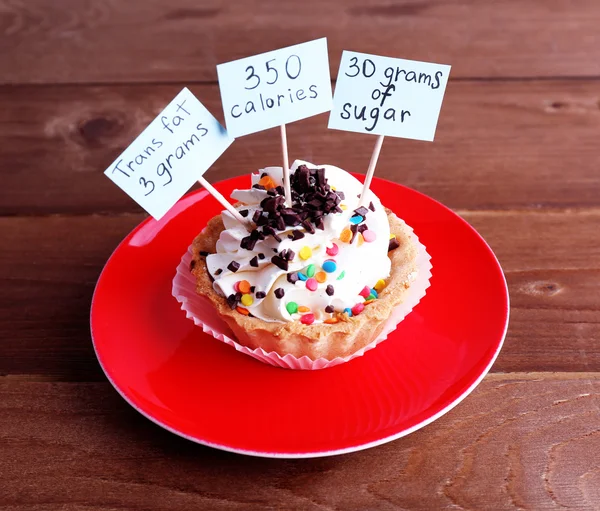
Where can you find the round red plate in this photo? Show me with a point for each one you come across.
(202, 389)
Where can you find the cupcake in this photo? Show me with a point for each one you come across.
(317, 278)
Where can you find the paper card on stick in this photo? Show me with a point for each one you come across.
(388, 96)
(167, 158)
(275, 88)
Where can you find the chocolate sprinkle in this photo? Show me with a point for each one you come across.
(204, 253)
(260, 295)
(279, 292)
(261, 256)
(341, 195)
(297, 235)
(329, 290)
(232, 301)
(218, 271)
(362, 228)
(252, 289)
(329, 309)
(354, 229)
(233, 266)
(192, 264)
(394, 244)
(362, 211)
(292, 278)
(254, 262)
(244, 212)
(371, 207)
(312, 199)
(280, 262)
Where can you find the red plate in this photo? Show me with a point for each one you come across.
(202, 389)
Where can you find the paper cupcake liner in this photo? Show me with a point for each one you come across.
(199, 309)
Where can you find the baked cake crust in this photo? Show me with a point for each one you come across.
(319, 340)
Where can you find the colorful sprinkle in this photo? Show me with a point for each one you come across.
(267, 182)
(369, 236)
(374, 293)
(308, 319)
(321, 277)
(236, 287)
(368, 302)
(292, 307)
(243, 286)
(361, 239)
(329, 266)
(305, 253)
(366, 291)
(370, 298)
(330, 290)
(332, 250)
(358, 308)
(331, 321)
(346, 235)
(302, 277)
(343, 207)
(303, 308)
(310, 270)
(312, 284)
(243, 311)
(348, 311)
(247, 300)
(356, 219)
(380, 285)
(342, 275)
(392, 236)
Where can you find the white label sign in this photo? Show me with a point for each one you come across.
(387, 96)
(275, 88)
(170, 155)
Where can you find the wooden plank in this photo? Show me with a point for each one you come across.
(499, 146)
(518, 442)
(105, 41)
(45, 297)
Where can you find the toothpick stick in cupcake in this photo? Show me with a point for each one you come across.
(286, 168)
(387, 97)
(170, 155)
(274, 89)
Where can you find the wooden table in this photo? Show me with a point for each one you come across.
(516, 154)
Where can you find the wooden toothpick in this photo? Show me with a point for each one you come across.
(286, 168)
(225, 203)
(371, 170)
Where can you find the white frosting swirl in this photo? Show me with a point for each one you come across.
(358, 264)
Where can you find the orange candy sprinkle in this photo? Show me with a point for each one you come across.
(267, 182)
(331, 321)
(361, 240)
(321, 276)
(243, 311)
(244, 286)
(303, 308)
(346, 235)
(368, 302)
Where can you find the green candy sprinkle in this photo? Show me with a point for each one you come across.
(310, 270)
(342, 275)
(292, 307)
(370, 297)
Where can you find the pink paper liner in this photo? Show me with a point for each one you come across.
(199, 309)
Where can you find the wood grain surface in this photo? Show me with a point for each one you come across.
(516, 154)
(520, 441)
(499, 145)
(78, 41)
